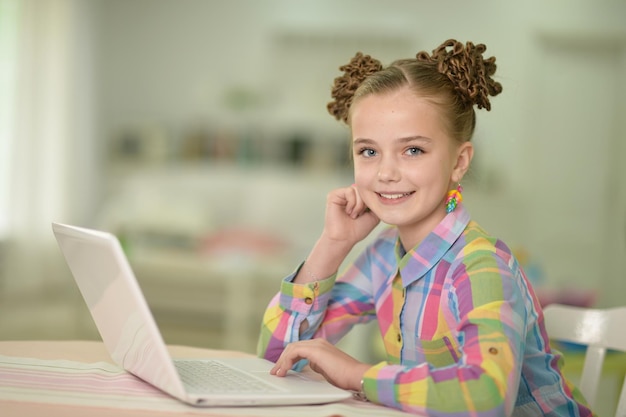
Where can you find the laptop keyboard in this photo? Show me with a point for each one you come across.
(216, 377)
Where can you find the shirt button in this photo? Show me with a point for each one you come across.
(308, 300)
(399, 337)
(493, 350)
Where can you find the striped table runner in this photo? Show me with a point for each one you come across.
(102, 384)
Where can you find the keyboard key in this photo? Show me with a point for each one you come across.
(216, 377)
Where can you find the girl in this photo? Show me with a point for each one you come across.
(462, 327)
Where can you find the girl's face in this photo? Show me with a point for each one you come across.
(404, 161)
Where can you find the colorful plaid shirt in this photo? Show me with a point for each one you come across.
(462, 328)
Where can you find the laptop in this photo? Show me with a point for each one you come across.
(128, 329)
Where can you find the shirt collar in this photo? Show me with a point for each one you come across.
(415, 263)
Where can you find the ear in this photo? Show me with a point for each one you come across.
(464, 155)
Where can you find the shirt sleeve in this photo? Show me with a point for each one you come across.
(331, 306)
(489, 302)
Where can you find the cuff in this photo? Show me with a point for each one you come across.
(304, 298)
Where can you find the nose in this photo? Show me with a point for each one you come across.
(388, 170)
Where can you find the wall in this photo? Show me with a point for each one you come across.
(170, 66)
(168, 71)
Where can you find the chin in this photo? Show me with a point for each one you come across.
(395, 220)
(414, 218)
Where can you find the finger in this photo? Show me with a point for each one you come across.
(351, 197)
(275, 370)
(282, 366)
(340, 198)
(359, 204)
(285, 362)
(279, 370)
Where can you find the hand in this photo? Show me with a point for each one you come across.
(347, 217)
(348, 221)
(339, 368)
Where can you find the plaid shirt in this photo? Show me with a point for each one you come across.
(462, 328)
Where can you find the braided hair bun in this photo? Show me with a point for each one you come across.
(357, 70)
(454, 70)
(468, 71)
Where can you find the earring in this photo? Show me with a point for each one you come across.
(454, 198)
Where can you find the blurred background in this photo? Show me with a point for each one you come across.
(197, 131)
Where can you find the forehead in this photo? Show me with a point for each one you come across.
(399, 113)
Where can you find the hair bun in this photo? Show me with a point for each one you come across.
(359, 67)
(469, 72)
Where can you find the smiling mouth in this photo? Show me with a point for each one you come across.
(394, 196)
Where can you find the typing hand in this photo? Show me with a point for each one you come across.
(339, 368)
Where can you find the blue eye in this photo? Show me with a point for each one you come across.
(367, 152)
(414, 151)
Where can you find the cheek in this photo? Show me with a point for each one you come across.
(363, 172)
(443, 169)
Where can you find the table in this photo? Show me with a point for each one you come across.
(30, 400)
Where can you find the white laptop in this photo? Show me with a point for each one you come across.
(128, 329)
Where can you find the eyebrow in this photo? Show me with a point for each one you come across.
(408, 139)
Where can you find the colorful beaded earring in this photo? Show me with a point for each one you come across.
(453, 199)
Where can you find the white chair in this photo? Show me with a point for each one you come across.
(599, 330)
